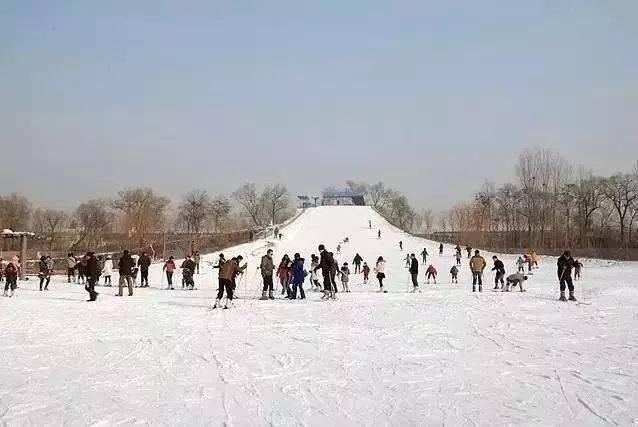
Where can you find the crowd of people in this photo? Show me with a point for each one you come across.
(290, 273)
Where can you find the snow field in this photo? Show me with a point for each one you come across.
(444, 356)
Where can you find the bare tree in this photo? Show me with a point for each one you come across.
(193, 210)
(622, 191)
(220, 210)
(49, 221)
(380, 195)
(90, 220)
(252, 202)
(276, 199)
(143, 209)
(15, 212)
(357, 187)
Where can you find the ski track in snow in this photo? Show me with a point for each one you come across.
(444, 356)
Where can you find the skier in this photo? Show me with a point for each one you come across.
(188, 270)
(431, 273)
(283, 273)
(11, 278)
(379, 235)
(345, 277)
(424, 255)
(276, 233)
(226, 274)
(325, 264)
(458, 258)
(408, 260)
(380, 270)
(440, 249)
(196, 259)
(298, 277)
(338, 249)
(71, 262)
(334, 268)
(414, 273)
(477, 265)
(169, 268)
(44, 273)
(455, 274)
(357, 263)
(499, 267)
(565, 264)
(513, 280)
(577, 266)
(370, 223)
(220, 262)
(366, 273)
(529, 262)
(92, 275)
(144, 263)
(400, 245)
(520, 265)
(125, 268)
(313, 274)
(267, 266)
(107, 269)
(468, 249)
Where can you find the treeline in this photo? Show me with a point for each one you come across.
(139, 218)
(552, 205)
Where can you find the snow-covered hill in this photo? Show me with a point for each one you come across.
(445, 356)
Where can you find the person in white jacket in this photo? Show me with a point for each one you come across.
(380, 270)
(107, 270)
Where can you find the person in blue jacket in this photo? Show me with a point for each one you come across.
(298, 277)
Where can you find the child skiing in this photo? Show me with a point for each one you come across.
(345, 277)
(44, 273)
(107, 269)
(313, 274)
(424, 255)
(455, 274)
(520, 265)
(366, 272)
(11, 278)
(431, 273)
(458, 257)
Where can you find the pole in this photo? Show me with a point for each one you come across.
(23, 256)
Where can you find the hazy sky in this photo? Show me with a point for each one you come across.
(431, 97)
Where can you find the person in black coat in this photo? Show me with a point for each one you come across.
(414, 272)
(357, 263)
(499, 267)
(565, 264)
(125, 268)
(92, 275)
(144, 263)
(325, 265)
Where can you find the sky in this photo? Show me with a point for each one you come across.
(431, 97)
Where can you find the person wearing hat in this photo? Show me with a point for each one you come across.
(325, 265)
(125, 268)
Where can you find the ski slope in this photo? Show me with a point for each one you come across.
(444, 356)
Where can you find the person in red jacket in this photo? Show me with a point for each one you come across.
(431, 273)
(366, 272)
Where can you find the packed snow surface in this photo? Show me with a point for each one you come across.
(443, 356)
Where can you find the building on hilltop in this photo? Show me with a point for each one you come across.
(345, 197)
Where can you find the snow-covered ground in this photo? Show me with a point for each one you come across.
(445, 356)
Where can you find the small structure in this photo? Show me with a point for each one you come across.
(345, 197)
(23, 236)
